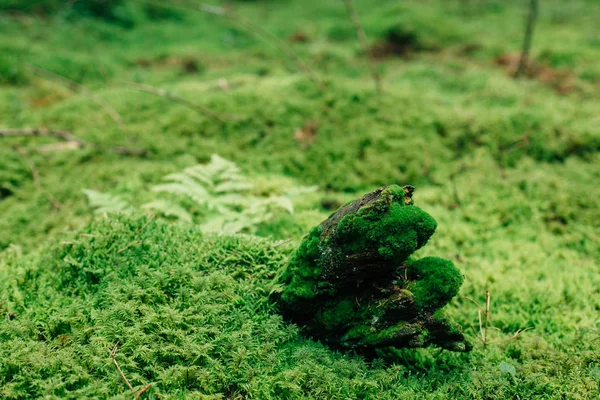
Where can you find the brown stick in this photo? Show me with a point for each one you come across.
(362, 37)
(112, 356)
(176, 98)
(455, 193)
(484, 324)
(78, 87)
(60, 134)
(69, 138)
(36, 179)
(134, 243)
(137, 232)
(142, 391)
(281, 243)
(487, 317)
(533, 11)
(126, 151)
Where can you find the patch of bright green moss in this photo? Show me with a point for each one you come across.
(437, 281)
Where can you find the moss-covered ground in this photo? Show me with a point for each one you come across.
(508, 168)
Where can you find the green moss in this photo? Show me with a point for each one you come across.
(301, 276)
(369, 337)
(392, 225)
(437, 282)
(521, 158)
(340, 314)
(349, 284)
(389, 225)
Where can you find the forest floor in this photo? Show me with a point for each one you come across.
(508, 167)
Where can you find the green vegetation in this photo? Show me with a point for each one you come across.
(508, 168)
(220, 198)
(439, 283)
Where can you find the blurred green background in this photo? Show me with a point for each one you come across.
(508, 167)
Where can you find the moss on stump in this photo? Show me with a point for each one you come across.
(353, 284)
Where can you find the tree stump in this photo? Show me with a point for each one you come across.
(353, 284)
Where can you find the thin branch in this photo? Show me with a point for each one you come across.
(487, 317)
(362, 37)
(484, 323)
(281, 243)
(137, 232)
(134, 243)
(69, 138)
(454, 186)
(472, 301)
(513, 337)
(59, 134)
(126, 151)
(142, 391)
(78, 87)
(483, 338)
(141, 228)
(176, 98)
(533, 11)
(36, 179)
(257, 29)
(112, 356)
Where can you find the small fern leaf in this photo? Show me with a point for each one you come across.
(281, 202)
(200, 173)
(300, 190)
(220, 165)
(192, 190)
(233, 187)
(106, 203)
(169, 209)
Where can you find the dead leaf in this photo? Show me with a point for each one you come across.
(307, 135)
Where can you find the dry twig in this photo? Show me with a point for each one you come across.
(484, 323)
(142, 391)
(36, 179)
(281, 243)
(362, 37)
(60, 134)
(176, 98)
(137, 232)
(78, 87)
(134, 243)
(112, 356)
(75, 142)
(455, 186)
(531, 18)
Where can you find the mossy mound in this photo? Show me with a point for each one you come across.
(191, 314)
(353, 283)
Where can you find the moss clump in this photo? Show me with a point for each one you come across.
(437, 281)
(352, 284)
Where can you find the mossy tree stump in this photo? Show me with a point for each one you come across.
(354, 285)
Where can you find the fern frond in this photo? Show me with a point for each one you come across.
(300, 190)
(186, 186)
(220, 190)
(106, 203)
(169, 209)
(281, 202)
(231, 186)
(200, 173)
